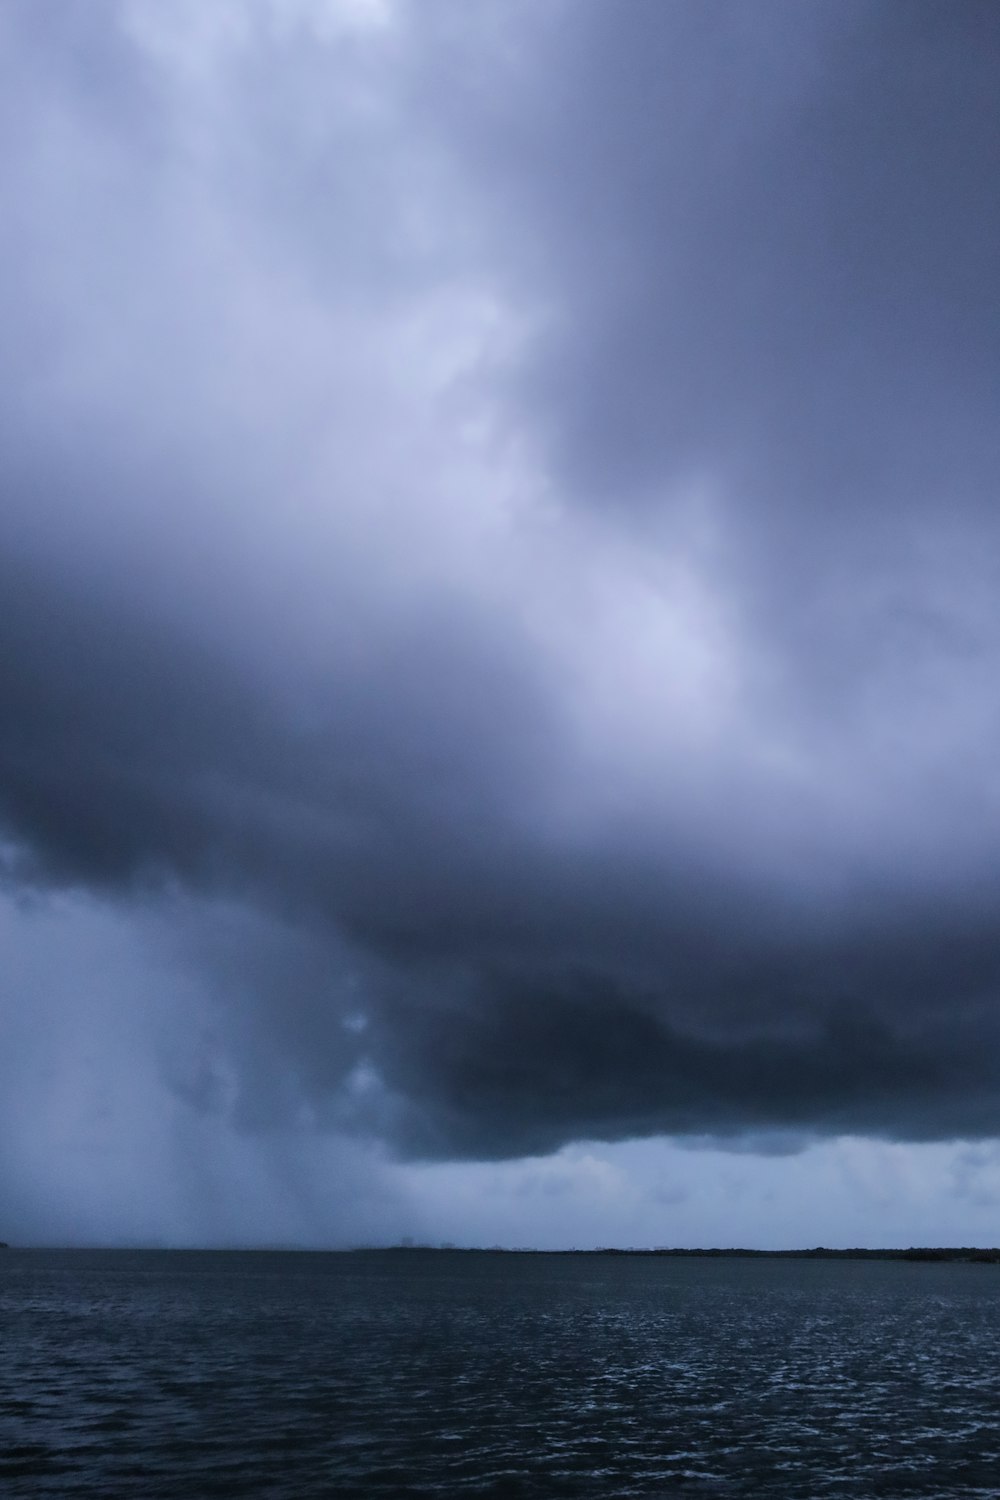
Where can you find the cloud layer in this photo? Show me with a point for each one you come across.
(498, 554)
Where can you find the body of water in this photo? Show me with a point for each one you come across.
(296, 1375)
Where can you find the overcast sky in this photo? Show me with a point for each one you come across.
(500, 651)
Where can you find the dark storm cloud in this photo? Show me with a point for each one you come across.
(765, 240)
(755, 248)
(131, 753)
(766, 237)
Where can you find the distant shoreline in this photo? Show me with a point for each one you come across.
(926, 1254)
(972, 1254)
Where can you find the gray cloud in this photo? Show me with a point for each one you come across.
(503, 504)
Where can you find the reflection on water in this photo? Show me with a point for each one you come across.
(197, 1374)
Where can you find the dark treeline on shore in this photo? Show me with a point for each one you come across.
(970, 1253)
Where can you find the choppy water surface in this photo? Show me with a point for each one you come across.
(188, 1374)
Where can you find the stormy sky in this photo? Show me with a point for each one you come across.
(500, 651)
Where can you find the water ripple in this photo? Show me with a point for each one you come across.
(423, 1375)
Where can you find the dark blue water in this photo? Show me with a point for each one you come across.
(197, 1374)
